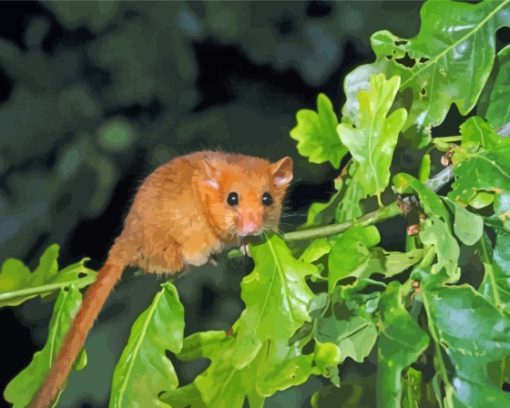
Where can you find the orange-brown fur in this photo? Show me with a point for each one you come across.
(179, 217)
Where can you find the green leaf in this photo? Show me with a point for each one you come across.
(276, 366)
(424, 171)
(276, 296)
(467, 226)
(502, 209)
(412, 391)
(482, 199)
(327, 356)
(355, 337)
(436, 229)
(196, 346)
(430, 201)
(350, 253)
(323, 213)
(202, 345)
(143, 370)
(349, 207)
(401, 342)
(437, 233)
(316, 250)
(358, 299)
(355, 392)
(373, 138)
(495, 101)
(473, 333)
(316, 134)
(222, 384)
(476, 131)
(183, 397)
(18, 284)
(21, 388)
(496, 283)
(482, 171)
(397, 262)
(450, 306)
(343, 205)
(281, 366)
(449, 61)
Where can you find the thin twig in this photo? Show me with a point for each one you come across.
(381, 214)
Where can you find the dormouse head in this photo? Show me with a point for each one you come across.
(243, 195)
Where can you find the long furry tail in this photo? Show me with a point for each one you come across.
(93, 302)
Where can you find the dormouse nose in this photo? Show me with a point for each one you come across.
(250, 222)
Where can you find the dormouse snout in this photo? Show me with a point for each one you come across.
(250, 222)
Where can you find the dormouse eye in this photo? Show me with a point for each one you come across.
(232, 199)
(267, 199)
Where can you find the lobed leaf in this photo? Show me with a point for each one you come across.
(476, 131)
(461, 315)
(276, 366)
(401, 342)
(349, 207)
(21, 388)
(350, 254)
(143, 370)
(282, 366)
(355, 336)
(494, 103)
(18, 284)
(316, 134)
(355, 392)
(316, 250)
(496, 283)
(467, 226)
(412, 392)
(343, 205)
(222, 384)
(276, 296)
(436, 229)
(372, 138)
(448, 62)
(487, 170)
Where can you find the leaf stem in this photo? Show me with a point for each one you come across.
(489, 270)
(389, 211)
(435, 338)
(383, 213)
(447, 139)
(428, 258)
(43, 289)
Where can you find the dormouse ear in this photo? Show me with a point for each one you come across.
(211, 175)
(282, 171)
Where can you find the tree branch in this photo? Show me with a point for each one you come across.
(389, 211)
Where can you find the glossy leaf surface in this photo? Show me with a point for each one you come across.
(373, 137)
(144, 370)
(20, 390)
(276, 296)
(18, 284)
(316, 134)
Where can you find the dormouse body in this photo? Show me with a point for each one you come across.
(185, 211)
(195, 205)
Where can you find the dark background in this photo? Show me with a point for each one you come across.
(94, 95)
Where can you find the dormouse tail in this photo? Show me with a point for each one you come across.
(93, 302)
